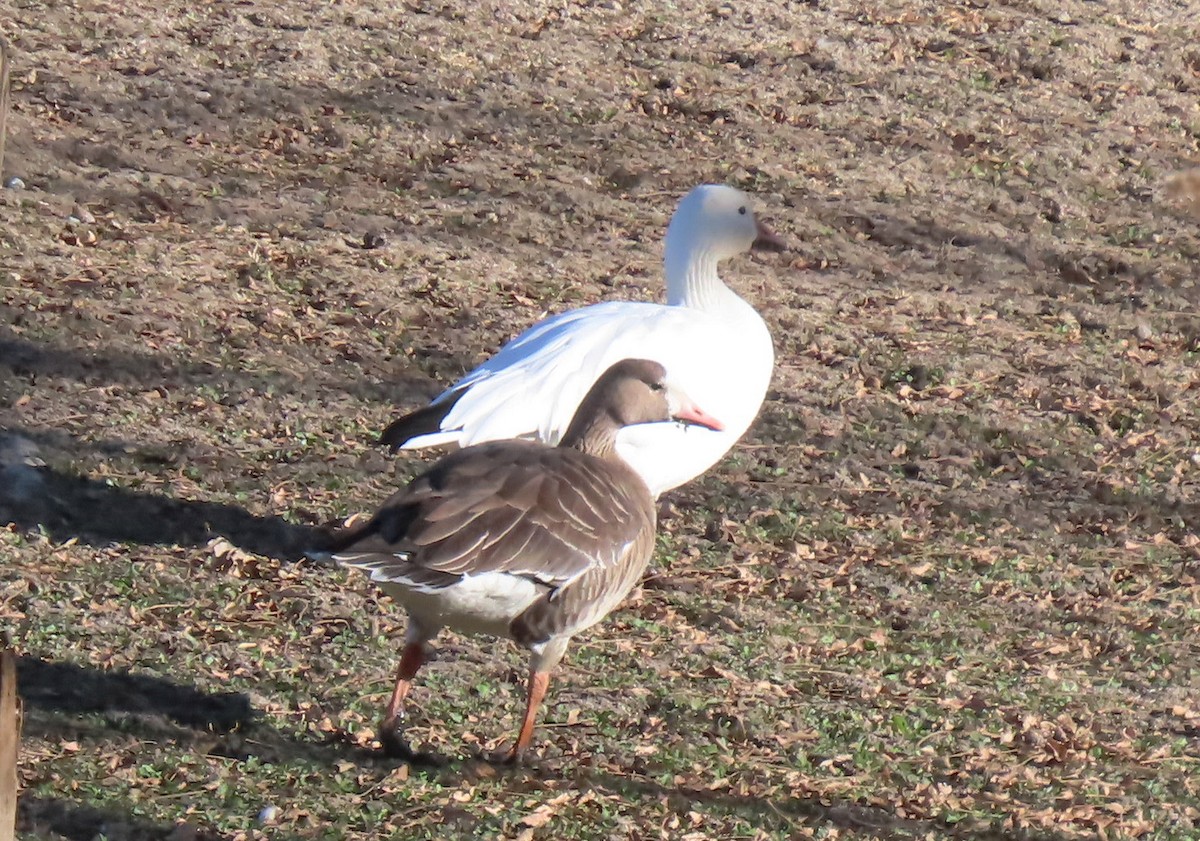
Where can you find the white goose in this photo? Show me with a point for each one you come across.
(716, 346)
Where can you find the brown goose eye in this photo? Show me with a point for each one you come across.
(656, 386)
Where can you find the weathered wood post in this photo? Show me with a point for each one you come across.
(10, 738)
(3, 114)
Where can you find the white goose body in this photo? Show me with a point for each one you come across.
(716, 346)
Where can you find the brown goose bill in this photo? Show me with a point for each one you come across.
(767, 240)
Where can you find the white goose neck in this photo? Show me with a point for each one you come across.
(692, 279)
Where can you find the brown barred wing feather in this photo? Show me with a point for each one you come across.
(511, 507)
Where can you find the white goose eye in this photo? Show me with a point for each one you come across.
(742, 210)
(656, 386)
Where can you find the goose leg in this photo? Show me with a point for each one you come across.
(538, 681)
(393, 719)
(545, 657)
(411, 659)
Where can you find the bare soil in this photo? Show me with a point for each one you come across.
(946, 587)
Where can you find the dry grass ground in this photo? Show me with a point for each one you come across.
(947, 587)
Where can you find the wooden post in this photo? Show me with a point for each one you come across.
(10, 738)
(4, 70)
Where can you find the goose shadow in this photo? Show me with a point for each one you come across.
(66, 701)
(71, 701)
(52, 817)
(782, 813)
(68, 506)
(71, 689)
(30, 360)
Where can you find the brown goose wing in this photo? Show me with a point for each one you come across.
(587, 599)
(550, 514)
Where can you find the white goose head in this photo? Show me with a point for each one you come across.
(712, 223)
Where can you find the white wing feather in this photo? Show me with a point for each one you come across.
(532, 387)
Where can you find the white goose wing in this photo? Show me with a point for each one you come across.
(532, 386)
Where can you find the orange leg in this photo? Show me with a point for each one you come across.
(410, 661)
(538, 681)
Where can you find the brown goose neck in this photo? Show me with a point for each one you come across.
(595, 435)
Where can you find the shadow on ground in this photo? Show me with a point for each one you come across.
(74, 689)
(67, 701)
(71, 701)
(30, 360)
(819, 812)
(50, 817)
(785, 813)
(66, 506)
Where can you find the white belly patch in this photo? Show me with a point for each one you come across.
(479, 604)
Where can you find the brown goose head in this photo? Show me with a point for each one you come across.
(630, 392)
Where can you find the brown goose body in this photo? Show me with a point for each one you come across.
(511, 538)
(517, 539)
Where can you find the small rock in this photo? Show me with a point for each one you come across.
(183, 832)
(624, 178)
(14, 183)
(17, 449)
(374, 239)
(268, 814)
(1143, 330)
(83, 215)
(21, 485)
(23, 493)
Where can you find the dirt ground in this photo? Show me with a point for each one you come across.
(946, 587)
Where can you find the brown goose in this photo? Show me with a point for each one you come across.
(520, 540)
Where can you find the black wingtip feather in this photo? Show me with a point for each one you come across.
(423, 421)
(390, 524)
(343, 539)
